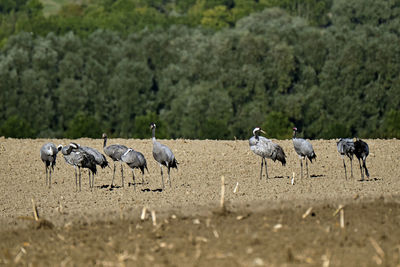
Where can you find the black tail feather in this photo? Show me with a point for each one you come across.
(280, 155)
(312, 156)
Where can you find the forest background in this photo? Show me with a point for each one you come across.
(201, 69)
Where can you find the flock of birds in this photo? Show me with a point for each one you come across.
(87, 157)
(265, 148)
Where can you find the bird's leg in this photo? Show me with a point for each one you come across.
(133, 178)
(142, 178)
(90, 181)
(76, 179)
(162, 178)
(365, 167)
(169, 178)
(49, 177)
(112, 183)
(122, 174)
(351, 165)
(345, 173)
(361, 170)
(301, 167)
(266, 169)
(46, 174)
(306, 166)
(80, 178)
(262, 163)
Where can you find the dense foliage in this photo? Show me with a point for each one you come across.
(201, 69)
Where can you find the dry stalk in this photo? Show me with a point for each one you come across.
(153, 217)
(35, 212)
(338, 209)
(236, 187)
(222, 203)
(143, 216)
(308, 211)
(293, 178)
(342, 218)
(377, 248)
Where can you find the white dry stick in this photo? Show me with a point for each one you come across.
(35, 213)
(143, 216)
(222, 191)
(342, 218)
(308, 211)
(153, 217)
(377, 248)
(338, 209)
(236, 187)
(293, 178)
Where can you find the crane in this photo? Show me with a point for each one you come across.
(135, 159)
(48, 154)
(361, 150)
(345, 147)
(265, 148)
(77, 157)
(115, 152)
(304, 149)
(163, 155)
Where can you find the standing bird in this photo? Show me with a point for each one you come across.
(99, 159)
(265, 148)
(361, 150)
(135, 159)
(114, 152)
(163, 155)
(48, 154)
(345, 147)
(304, 149)
(77, 157)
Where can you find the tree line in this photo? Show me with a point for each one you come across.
(201, 69)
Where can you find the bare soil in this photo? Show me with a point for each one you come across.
(264, 223)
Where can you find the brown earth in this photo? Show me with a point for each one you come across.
(262, 224)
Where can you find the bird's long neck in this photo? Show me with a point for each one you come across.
(154, 134)
(105, 142)
(294, 134)
(256, 135)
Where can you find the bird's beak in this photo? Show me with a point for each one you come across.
(263, 131)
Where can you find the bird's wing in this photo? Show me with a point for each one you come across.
(302, 146)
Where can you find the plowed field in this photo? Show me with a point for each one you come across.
(264, 223)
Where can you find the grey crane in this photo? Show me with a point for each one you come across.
(265, 148)
(135, 159)
(77, 157)
(361, 150)
(304, 149)
(48, 154)
(114, 152)
(99, 158)
(163, 155)
(345, 147)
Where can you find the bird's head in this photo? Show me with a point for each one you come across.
(295, 129)
(59, 147)
(104, 136)
(152, 126)
(258, 129)
(74, 145)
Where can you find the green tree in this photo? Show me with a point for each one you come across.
(16, 127)
(277, 125)
(391, 124)
(83, 125)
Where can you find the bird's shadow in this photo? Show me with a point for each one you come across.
(370, 179)
(151, 190)
(109, 187)
(279, 177)
(317, 175)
